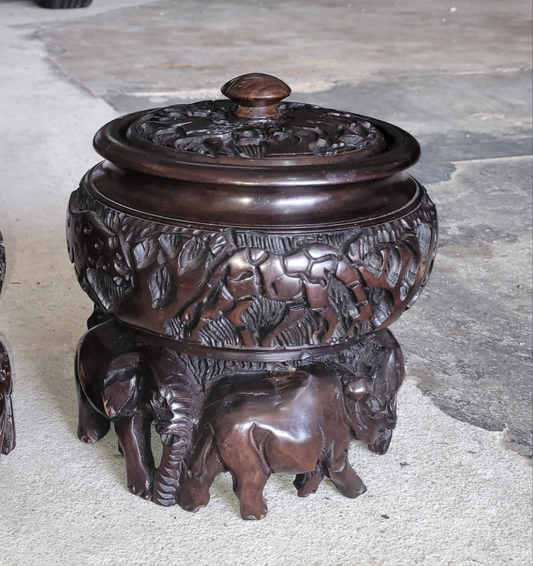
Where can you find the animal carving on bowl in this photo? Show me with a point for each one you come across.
(245, 288)
(294, 422)
(253, 249)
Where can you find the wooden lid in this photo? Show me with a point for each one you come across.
(256, 139)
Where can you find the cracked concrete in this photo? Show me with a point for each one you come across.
(455, 487)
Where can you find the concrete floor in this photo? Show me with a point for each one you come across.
(455, 487)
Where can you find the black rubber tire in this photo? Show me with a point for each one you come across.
(60, 4)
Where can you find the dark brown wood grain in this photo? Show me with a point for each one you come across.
(256, 95)
(239, 263)
(250, 288)
(118, 144)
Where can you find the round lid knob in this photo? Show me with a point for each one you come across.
(256, 95)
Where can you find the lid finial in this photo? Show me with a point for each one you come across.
(256, 95)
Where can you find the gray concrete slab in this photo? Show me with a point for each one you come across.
(450, 491)
(469, 340)
(195, 45)
(440, 71)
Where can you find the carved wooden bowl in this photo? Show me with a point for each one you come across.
(245, 257)
(253, 223)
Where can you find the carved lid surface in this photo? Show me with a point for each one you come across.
(256, 139)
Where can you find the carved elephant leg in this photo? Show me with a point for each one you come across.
(243, 454)
(134, 439)
(92, 426)
(344, 477)
(195, 484)
(125, 404)
(308, 483)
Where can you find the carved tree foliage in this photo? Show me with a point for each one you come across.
(211, 128)
(246, 288)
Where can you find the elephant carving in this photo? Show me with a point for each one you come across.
(110, 390)
(296, 422)
(251, 419)
(132, 385)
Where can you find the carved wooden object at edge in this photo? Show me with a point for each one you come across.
(7, 425)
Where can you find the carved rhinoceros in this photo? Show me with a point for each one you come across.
(298, 422)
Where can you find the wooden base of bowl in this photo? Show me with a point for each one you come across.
(233, 411)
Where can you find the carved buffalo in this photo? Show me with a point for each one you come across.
(296, 422)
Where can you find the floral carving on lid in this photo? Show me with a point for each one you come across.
(213, 128)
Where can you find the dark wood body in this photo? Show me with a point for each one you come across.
(134, 379)
(138, 371)
(232, 277)
(239, 287)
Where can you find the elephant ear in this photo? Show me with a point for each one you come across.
(357, 389)
(120, 386)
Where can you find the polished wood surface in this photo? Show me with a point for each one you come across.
(249, 287)
(256, 95)
(245, 265)
(401, 152)
(215, 415)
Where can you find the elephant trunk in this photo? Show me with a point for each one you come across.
(167, 476)
(177, 443)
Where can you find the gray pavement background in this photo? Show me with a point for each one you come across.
(457, 74)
